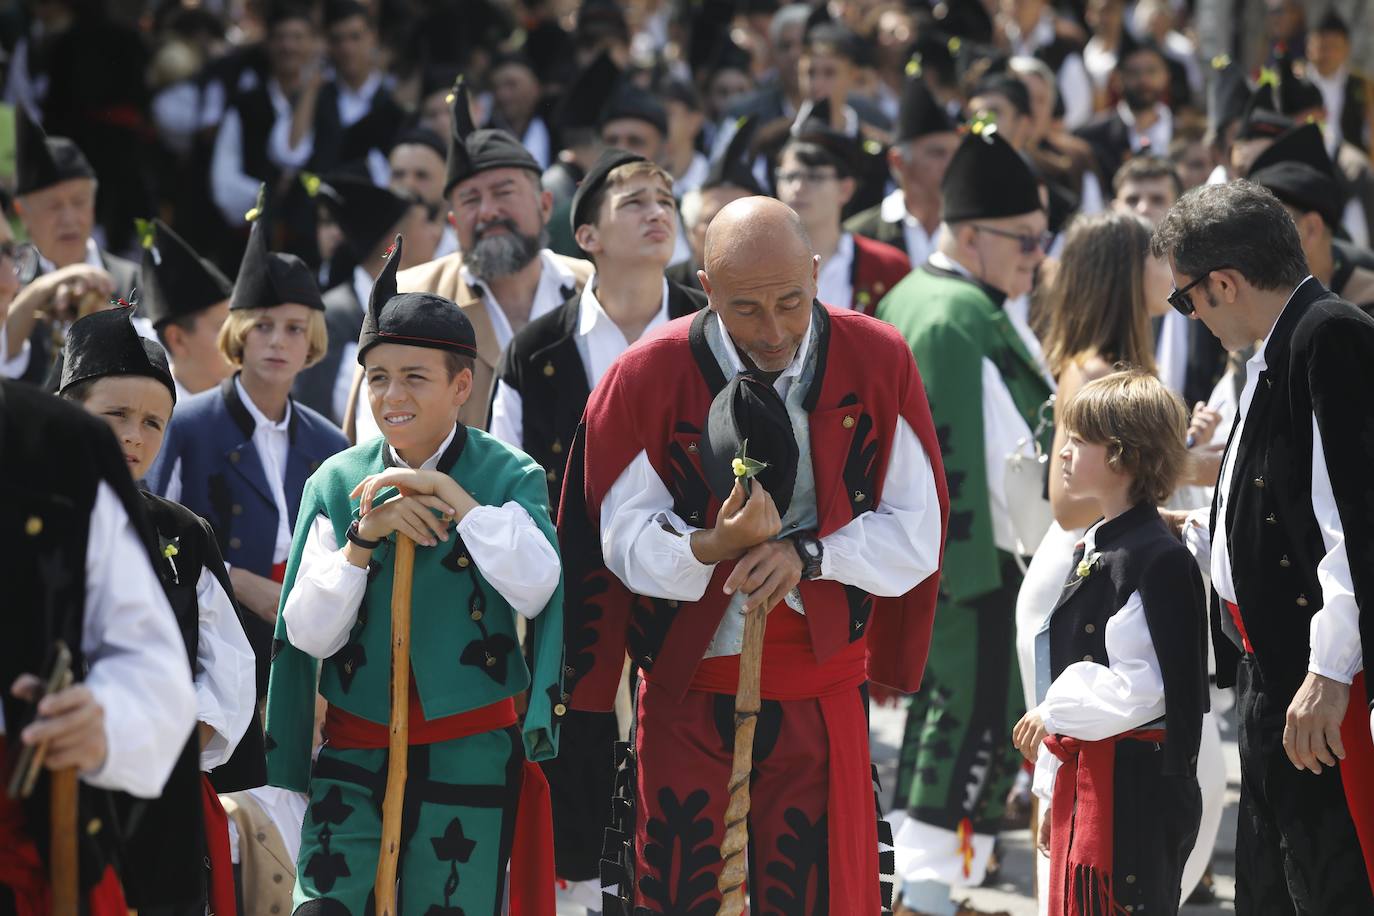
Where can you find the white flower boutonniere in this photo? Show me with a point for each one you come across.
(1089, 563)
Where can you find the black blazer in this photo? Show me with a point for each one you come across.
(343, 318)
(543, 365)
(1137, 553)
(1320, 361)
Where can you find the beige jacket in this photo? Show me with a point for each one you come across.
(269, 875)
(444, 276)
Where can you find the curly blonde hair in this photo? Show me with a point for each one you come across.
(1142, 423)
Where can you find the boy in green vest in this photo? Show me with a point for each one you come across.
(485, 553)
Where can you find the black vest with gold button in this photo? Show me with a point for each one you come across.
(1320, 364)
(1135, 552)
(543, 365)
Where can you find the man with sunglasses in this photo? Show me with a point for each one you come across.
(1290, 540)
(986, 390)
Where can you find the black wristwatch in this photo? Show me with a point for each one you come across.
(810, 550)
(358, 539)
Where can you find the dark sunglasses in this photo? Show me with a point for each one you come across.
(1029, 243)
(1179, 298)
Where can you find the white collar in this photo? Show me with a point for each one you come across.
(364, 92)
(1334, 81)
(432, 462)
(1127, 116)
(93, 259)
(259, 418)
(693, 176)
(944, 262)
(793, 369)
(590, 311)
(1258, 361)
(362, 287)
(893, 210)
(1040, 35)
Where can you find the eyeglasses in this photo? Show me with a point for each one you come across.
(1179, 298)
(805, 177)
(1029, 243)
(23, 258)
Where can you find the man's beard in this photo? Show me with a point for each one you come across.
(504, 254)
(1140, 99)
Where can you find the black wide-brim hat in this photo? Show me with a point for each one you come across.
(749, 409)
(105, 343)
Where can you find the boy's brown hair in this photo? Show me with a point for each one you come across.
(1142, 423)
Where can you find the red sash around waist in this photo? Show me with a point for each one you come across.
(1240, 625)
(345, 730)
(1081, 830)
(790, 670)
(24, 873)
(279, 572)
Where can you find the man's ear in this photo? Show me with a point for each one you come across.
(847, 187)
(175, 337)
(462, 387)
(546, 205)
(587, 238)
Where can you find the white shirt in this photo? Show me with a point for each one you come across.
(1171, 350)
(19, 364)
(285, 809)
(138, 671)
(693, 176)
(599, 341)
(919, 243)
(348, 356)
(271, 440)
(1018, 313)
(1091, 701)
(1156, 137)
(235, 192)
(1075, 88)
(554, 280)
(538, 142)
(1333, 100)
(1335, 632)
(226, 672)
(886, 552)
(833, 286)
(511, 552)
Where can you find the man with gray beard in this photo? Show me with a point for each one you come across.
(503, 276)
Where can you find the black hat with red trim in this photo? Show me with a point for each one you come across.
(412, 319)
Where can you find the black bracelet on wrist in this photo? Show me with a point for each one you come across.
(356, 538)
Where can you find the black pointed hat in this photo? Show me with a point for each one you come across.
(1332, 21)
(367, 215)
(1226, 94)
(812, 125)
(266, 278)
(412, 319)
(987, 179)
(748, 416)
(1261, 117)
(176, 280)
(42, 161)
(105, 343)
(734, 167)
(1298, 171)
(920, 114)
(629, 101)
(607, 162)
(582, 102)
(1294, 94)
(472, 151)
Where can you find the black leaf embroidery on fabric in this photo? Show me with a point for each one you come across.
(650, 620)
(860, 608)
(326, 867)
(490, 655)
(331, 809)
(803, 851)
(861, 464)
(348, 660)
(581, 612)
(960, 525)
(767, 727)
(679, 856)
(691, 494)
(276, 647)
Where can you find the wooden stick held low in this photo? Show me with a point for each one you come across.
(62, 860)
(736, 842)
(399, 743)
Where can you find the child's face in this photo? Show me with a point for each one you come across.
(413, 399)
(278, 343)
(1085, 470)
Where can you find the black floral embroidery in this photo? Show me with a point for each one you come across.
(326, 867)
(679, 856)
(805, 852)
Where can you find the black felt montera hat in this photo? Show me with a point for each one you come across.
(920, 114)
(105, 343)
(42, 161)
(366, 214)
(1297, 170)
(412, 319)
(987, 179)
(749, 410)
(606, 163)
(472, 151)
(177, 282)
(268, 279)
(735, 166)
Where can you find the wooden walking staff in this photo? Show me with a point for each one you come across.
(62, 861)
(399, 744)
(732, 849)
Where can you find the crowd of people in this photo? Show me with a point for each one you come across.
(731, 368)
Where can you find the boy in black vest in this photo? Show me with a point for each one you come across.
(1122, 651)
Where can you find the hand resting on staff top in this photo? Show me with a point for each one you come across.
(745, 529)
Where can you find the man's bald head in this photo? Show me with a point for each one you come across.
(760, 277)
(746, 226)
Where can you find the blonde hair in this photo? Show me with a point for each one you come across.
(1143, 424)
(240, 321)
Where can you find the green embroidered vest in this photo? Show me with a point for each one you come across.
(952, 325)
(464, 652)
